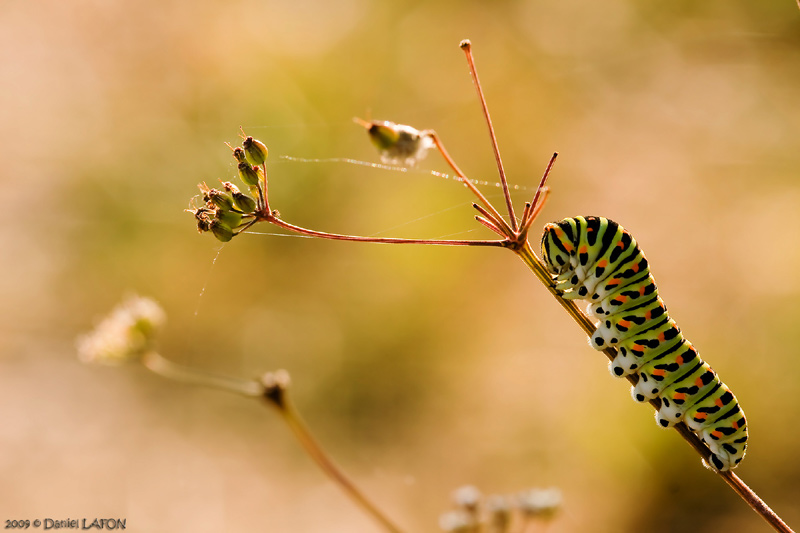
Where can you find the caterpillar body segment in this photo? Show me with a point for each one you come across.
(665, 369)
(596, 259)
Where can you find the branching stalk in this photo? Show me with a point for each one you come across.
(274, 388)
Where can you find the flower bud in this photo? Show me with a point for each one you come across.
(255, 151)
(238, 154)
(249, 174)
(398, 143)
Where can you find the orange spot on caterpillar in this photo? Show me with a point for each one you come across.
(642, 290)
(602, 263)
(701, 416)
(698, 382)
(679, 396)
(716, 434)
(679, 360)
(583, 249)
(624, 323)
(659, 372)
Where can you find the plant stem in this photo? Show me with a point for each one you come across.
(274, 389)
(466, 46)
(292, 418)
(154, 362)
(385, 240)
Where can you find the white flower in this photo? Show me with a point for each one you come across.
(123, 335)
(540, 502)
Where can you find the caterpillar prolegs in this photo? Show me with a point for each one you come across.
(595, 259)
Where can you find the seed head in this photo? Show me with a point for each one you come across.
(541, 503)
(398, 143)
(126, 334)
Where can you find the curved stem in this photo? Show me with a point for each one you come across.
(274, 389)
(740, 487)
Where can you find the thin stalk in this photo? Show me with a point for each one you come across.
(500, 227)
(156, 363)
(538, 200)
(467, 47)
(274, 389)
(740, 487)
(265, 193)
(314, 450)
(384, 240)
(468, 183)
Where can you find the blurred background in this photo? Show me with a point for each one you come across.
(419, 368)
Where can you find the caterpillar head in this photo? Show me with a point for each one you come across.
(556, 248)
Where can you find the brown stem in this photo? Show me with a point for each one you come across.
(500, 226)
(471, 186)
(272, 219)
(538, 200)
(277, 395)
(467, 47)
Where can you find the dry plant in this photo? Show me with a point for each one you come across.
(228, 212)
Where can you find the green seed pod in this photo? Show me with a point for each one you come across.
(221, 231)
(244, 202)
(232, 219)
(219, 198)
(255, 151)
(249, 174)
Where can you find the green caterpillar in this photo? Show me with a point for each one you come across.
(596, 259)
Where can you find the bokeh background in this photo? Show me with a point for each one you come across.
(419, 368)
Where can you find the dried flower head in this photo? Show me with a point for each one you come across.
(467, 497)
(542, 503)
(398, 144)
(458, 521)
(125, 334)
